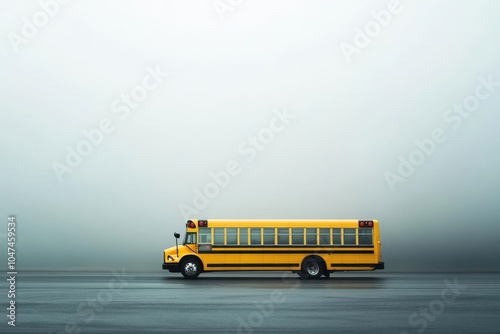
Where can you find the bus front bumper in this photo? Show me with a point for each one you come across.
(379, 265)
(172, 267)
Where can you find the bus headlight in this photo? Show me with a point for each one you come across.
(170, 258)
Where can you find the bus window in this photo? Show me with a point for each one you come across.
(283, 236)
(205, 236)
(255, 236)
(311, 236)
(337, 236)
(231, 236)
(243, 236)
(365, 236)
(190, 238)
(218, 236)
(297, 236)
(349, 236)
(269, 236)
(324, 236)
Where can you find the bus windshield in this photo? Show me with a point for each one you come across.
(190, 238)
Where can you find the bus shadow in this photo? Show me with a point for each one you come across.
(289, 281)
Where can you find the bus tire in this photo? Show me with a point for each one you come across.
(191, 267)
(311, 268)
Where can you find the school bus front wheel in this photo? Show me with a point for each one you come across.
(191, 267)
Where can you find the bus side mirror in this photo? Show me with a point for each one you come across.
(177, 236)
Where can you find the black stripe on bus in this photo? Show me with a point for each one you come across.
(305, 251)
(271, 265)
(291, 246)
(235, 265)
(352, 264)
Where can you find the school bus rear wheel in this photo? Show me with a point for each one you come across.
(311, 268)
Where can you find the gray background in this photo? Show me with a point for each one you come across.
(353, 121)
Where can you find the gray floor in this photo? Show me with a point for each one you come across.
(272, 302)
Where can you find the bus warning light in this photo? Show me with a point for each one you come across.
(365, 223)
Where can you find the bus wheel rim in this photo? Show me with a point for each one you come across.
(312, 268)
(190, 268)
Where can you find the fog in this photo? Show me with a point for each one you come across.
(119, 120)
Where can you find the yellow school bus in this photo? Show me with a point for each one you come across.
(311, 248)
